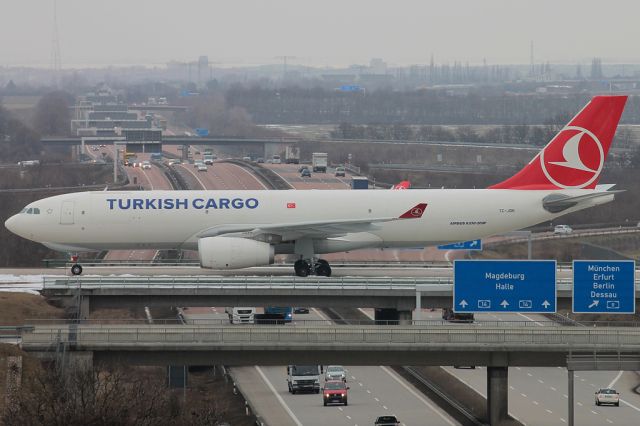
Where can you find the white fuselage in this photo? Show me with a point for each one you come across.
(173, 220)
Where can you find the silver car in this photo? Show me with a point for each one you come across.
(335, 372)
(607, 396)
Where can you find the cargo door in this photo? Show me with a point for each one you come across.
(66, 213)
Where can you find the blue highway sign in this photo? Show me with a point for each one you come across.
(464, 245)
(604, 286)
(504, 286)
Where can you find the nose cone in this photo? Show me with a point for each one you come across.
(12, 224)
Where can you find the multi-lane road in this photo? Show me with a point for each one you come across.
(374, 390)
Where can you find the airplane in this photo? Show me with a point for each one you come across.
(405, 184)
(235, 229)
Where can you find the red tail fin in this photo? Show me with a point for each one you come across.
(575, 156)
(405, 184)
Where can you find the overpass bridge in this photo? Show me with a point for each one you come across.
(400, 293)
(451, 344)
(497, 348)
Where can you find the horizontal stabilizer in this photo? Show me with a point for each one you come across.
(555, 203)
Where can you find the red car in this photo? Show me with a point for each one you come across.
(335, 391)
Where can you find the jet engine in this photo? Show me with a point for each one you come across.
(233, 253)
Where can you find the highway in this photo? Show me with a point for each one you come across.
(305, 408)
(538, 395)
(373, 391)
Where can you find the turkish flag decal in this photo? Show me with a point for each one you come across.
(291, 205)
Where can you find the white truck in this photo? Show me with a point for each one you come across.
(292, 155)
(304, 378)
(241, 315)
(319, 162)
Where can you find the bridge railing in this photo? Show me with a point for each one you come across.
(427, 323)
(244, 282)
(563, 338)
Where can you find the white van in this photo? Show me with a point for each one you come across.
(562, 229)
(241, 315)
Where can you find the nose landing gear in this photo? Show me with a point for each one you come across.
(76, 269)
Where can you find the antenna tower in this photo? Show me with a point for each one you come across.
(55, 48)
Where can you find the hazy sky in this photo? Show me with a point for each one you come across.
(319, 32)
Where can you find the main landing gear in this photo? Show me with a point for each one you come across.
(304, 268)
(76, 269)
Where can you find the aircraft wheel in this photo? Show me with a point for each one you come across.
(302, 268)
(323, 269)
(76, 269)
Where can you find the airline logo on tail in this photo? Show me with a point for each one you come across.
(575, 157)
(574, 160)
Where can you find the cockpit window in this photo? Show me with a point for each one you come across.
(36, 210)
(23, 210)
(30, 211)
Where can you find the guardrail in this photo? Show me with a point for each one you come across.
(268, 282)
(423, 284)
(321, 323)
(559, 338)
(574, 234)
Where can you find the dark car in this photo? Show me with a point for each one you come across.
(335, 391)
(305, 173)
(299, 310)
(303, 168)
(387, 421)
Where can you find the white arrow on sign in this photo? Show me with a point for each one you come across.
(546, 304)
(593, 304)
(463, 303)
(504, 304)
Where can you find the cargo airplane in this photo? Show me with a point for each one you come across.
(239, 229)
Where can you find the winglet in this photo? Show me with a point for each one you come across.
(414, 212)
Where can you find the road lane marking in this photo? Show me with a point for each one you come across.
(523, 395)
(284, 404)
(535, 403)
(414, 393)
(580, 404)
(548, 411)
(377, 400)
(195, 176)
(594, 412)
(565, 395)
(529, 374)
(530, 319)
(609, 421)
(385, 407)
(629, 405)
(540, 381)
(562, 420)
(613, 382)
(553, 389)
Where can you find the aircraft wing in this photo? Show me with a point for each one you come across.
(308, 229)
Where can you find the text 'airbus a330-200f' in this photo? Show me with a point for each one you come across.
(239, 229)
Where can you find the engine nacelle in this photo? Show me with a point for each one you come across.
(233, 253)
